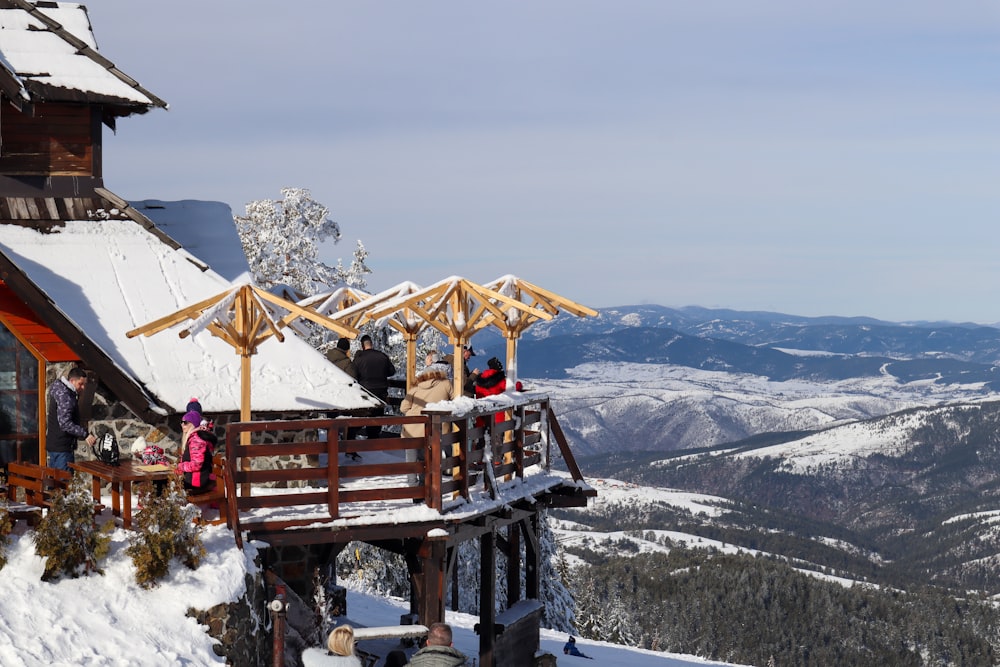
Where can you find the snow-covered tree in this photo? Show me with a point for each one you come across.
(370, 569)
(282, 240)
(553, 578)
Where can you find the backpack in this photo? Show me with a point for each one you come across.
(106, 448)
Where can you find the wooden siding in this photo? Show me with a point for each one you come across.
(51, 209)
(26, 326)
(58, 139)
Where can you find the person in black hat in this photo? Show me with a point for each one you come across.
(468, 378)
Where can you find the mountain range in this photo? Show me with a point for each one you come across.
(775, 345)
(858, 452)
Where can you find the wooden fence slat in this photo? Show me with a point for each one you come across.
(453, 451)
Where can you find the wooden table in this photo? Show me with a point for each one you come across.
(121, 478)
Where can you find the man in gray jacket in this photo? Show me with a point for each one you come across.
(439, 652)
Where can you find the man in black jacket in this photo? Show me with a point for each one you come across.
(374, 370)
(63, 427)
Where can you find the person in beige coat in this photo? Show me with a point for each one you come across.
(430, 386)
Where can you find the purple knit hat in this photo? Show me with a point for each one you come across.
(193, 417)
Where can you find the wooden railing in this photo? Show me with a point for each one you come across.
(457, 455)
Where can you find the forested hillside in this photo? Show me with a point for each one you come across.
(868, 543)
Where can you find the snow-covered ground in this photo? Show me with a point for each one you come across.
(109, 620)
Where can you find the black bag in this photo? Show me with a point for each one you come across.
(106, 448)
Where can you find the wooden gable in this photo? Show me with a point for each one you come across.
(31, 331)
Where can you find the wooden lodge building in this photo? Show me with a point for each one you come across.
(76, 273)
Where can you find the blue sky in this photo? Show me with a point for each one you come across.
(810, 158)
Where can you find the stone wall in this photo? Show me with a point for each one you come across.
(243, 629)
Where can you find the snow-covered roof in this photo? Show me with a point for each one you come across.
(205, 228)
(111, 276)
(50, 53)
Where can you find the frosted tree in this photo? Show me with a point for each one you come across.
(558, 613)
(282, 241)
(354, 275)
(369, 569)
(591, 605)
(620, 627)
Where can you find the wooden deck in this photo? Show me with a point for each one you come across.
(466, 466)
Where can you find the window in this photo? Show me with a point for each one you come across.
(18, 395)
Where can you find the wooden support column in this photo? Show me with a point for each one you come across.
(487, 598)
(432, 464)
(513, 564)
(429, 583)
(452, 573)
(532, 557)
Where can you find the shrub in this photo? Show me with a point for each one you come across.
(68, 536)
(6, 525)
(164, 530)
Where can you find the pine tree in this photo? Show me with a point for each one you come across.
(558, 613)
(68, 536)
(165, 530)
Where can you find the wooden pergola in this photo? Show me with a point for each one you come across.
(351, 306)
(541, 302)
(457, 308)
(244, 317)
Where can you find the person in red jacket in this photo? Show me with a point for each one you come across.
(492, 381)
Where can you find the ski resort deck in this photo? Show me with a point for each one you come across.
(482, 473)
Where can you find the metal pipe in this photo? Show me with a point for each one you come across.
(279, 608)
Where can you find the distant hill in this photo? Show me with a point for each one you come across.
(774, 345)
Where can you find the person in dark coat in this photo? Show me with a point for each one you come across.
(63, 427)
(468, 377)
(374, 370)
(396, 658)
(338, 357)
(570, 649)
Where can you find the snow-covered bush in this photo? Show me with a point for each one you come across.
(6, 525)
(68, 536)
(164, 530)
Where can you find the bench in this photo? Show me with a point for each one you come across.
(216, 495)
(39, 483)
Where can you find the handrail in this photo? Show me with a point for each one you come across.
(487, 447)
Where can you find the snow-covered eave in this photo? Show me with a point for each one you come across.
(57, 42)
(15, 88)
(119, 292)
(128, 387)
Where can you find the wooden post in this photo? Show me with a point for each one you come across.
(43, 406)
(411, 359)
(532, 556)
(487, 597)
(511, 360)
(513, 564)
(457, 368)
(430, 581)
